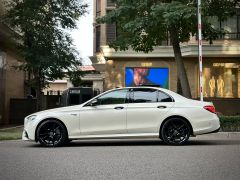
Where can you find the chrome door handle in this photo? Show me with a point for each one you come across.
(162, 107)
(119, 107)
(73, 114)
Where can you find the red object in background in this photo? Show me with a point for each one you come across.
(87, 68)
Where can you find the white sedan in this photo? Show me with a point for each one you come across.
(133, 112)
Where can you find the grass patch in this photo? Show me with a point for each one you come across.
(11, 133)
(230, 123)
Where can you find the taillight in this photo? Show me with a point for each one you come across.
(210, 108)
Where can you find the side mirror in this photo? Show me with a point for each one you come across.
(93, 102)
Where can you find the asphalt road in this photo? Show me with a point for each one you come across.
(205, 157)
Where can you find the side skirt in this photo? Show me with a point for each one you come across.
(117, 136)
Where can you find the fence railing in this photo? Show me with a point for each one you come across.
(233, 36)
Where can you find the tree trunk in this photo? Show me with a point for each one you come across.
(181, 71)
(38, 91)
(28, 85)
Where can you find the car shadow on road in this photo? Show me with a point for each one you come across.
(89, 143)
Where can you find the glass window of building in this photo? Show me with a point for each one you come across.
(221, 80)
(231, 26)
(98, 38)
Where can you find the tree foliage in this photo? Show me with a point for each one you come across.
(143, 24)
(43, 43)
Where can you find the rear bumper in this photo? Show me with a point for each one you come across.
(215, 131)
(207, 126)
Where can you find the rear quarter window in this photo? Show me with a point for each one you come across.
(163, 97)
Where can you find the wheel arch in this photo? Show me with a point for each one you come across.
(175, 116)
(36, 138)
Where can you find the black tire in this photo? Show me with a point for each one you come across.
(52, 133)
(68, 141)
(175, 131)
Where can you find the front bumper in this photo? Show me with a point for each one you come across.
(25, 136)
(29, 131)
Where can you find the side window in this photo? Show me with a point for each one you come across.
(114, 97)
(142, 95)
(162, 97)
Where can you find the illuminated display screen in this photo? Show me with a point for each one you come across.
(140, 75)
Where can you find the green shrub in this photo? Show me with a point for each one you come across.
(230, 123)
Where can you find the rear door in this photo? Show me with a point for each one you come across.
(146, 109)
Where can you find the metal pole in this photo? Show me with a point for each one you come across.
(200, 48)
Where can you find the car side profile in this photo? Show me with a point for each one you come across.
(131, 112)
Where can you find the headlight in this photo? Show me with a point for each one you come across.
(31, 118)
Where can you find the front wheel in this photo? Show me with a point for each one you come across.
(51, 133)
(175, 131)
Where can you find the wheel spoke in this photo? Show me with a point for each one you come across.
(43, 134)
(173, 125)
(44, 138)
(180, 127)
(183, 133)
(56, 128)
(53, 126)
(171, 136)
(53, 140)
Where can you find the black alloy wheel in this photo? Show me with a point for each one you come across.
(175, 131)
(51, 133)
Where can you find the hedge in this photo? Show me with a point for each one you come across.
(230, 123)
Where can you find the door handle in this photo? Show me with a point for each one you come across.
(162, 107)
(119, 107)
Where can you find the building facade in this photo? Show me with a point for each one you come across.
(221, 62)
(11, 80)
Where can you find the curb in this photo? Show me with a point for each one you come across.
(3, 129)
(234, 135)
(231, 134)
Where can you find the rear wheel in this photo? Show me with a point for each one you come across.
(175, 131)
(51, 133)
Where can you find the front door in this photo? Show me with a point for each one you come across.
(107, 116)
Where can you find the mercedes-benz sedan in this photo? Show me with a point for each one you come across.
(132, 112)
